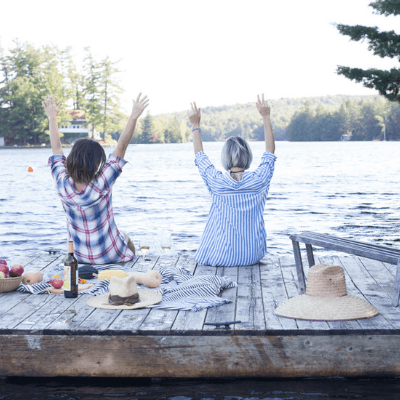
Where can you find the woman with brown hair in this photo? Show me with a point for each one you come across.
(84, 182)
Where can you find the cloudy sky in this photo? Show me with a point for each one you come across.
(216, 52)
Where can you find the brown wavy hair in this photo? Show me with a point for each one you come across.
(85, 161)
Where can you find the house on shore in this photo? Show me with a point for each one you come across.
(77, 128)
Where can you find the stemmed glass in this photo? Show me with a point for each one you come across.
(144, 245)
(166, 242)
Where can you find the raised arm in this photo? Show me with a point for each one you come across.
(194, 117)
(264, 109)
(138, 107)
(52, 110)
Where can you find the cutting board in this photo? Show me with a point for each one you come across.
(61, 291)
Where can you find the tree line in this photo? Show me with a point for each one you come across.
(28, 73)
(353, 120)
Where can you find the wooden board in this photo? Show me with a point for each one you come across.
(274, 294)
(81, 287)
(189, 322)
(261, 288)
(200, 356)
(227, 312)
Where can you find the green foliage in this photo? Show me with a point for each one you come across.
(386, 7)
(382, 44)
(357, 120)
(92, 91)
(28, 74)
(219, 123)
(148, 130)
(109, 96)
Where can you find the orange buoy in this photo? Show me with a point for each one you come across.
(30, 169)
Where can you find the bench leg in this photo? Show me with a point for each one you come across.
(396, 291)
(310, 255)
(299, 267)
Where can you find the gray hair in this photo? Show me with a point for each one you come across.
(236, 153)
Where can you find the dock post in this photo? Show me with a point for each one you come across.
(299, 267)
(396, 291)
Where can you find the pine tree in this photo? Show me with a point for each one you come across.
(93, 77)
(383, 44)
(109, 97)
(148, 129)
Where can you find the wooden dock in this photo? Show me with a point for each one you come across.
(49, 335)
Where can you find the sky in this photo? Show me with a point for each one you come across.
(214, 52)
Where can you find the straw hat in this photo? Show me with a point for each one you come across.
(124, 295)
(326, 298)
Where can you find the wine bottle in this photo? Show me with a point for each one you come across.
(71, 279)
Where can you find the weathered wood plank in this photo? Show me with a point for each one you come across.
(54, 305)
(200, 356)
(310, 255)
(51, 313)
(379, 273)
(227, 312)
(249, 303)
(22, 310)
(299, 267)
(274, 294)
(376, 252)
(396, 289)
(70, 319)
(370, 291)
(17, 306)
(188, 321)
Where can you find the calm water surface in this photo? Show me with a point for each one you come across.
(191, 389)
(347, 189)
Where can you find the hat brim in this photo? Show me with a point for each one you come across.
(146, 298)
(326, 308)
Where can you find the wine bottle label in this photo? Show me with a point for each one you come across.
(67, 278)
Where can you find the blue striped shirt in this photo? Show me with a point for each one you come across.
(235, 231)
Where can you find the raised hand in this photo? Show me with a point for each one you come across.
(263, 107)
(50, 107)
(138, 106)
(194, 114)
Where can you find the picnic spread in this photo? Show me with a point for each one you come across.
(115, 287)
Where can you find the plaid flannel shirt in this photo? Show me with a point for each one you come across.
(90, 218)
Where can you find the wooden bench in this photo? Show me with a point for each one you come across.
(373, 251)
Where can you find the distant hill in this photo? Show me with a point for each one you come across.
(218, 123)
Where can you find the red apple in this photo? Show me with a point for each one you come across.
(3, 262)
(4, 268)
(57, 283)
(16, 270)
(2, 275)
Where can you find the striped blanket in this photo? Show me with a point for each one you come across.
(180, 290)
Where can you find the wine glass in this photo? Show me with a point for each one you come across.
(166, 242)
(144, 245)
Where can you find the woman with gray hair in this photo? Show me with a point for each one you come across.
(235, 231)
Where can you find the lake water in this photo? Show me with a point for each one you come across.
(350, 189)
